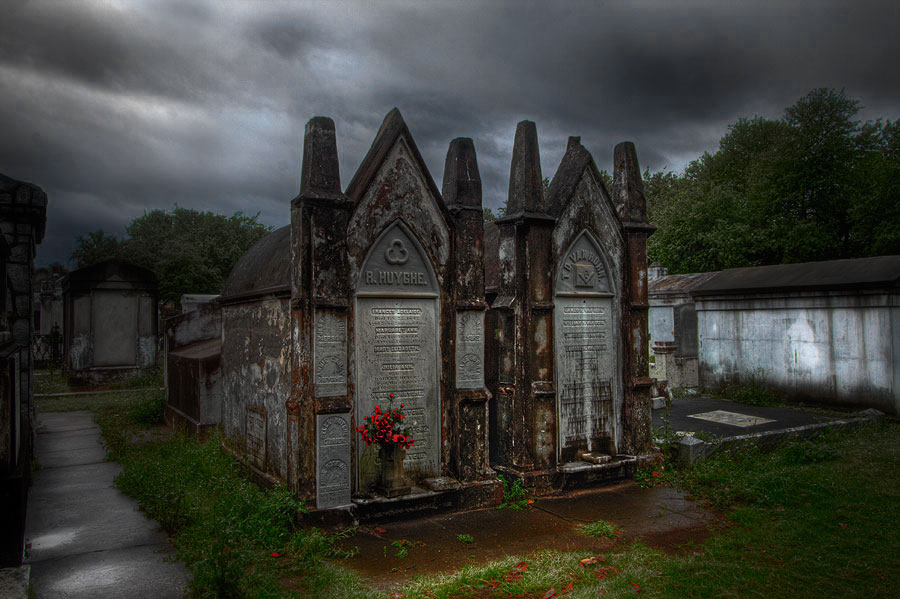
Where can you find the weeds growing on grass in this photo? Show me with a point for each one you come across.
(514, 494)
(600, 528)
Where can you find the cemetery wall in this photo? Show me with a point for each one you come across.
(826, 331)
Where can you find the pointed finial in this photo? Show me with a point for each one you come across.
(526, 186)
(462, 182)
(320, 171)
(628, 187)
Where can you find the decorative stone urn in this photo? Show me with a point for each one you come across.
(392, 482)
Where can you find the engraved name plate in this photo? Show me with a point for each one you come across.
(470, 350)
(332, 460)
(330, 354)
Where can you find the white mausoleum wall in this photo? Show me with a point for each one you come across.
(830, 346)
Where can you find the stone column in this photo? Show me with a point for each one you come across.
(628, 196)
(469, 410)
(319, 404)
(527, 401)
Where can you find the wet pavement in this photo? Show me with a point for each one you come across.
(86, 538)
(660, 517)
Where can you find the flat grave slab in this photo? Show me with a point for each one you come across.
(731, 418)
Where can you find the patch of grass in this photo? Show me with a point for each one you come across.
(465, 538)
(600, 528)
(152, 378)
(514, 494)
(751, 392)
(237, 539)
(95, 402)
(403, 546)
(810, 519)
(50, 380)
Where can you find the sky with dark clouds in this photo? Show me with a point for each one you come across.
(118, 107)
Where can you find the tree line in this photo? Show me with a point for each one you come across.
(816, 184)
(188, 250)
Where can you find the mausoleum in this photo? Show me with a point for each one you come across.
(823, 331)
(110, 314)
(567, 328)
(372, 296)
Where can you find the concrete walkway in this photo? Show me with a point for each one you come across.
(87, 538)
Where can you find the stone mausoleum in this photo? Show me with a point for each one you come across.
(110, 313)
(372, 291)
(376, 295)
(567, 328)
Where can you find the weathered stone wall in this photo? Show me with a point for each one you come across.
(256, 369)
(836, 347)
(23, 213)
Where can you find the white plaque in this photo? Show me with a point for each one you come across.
(470, 350)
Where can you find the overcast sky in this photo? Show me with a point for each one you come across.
(120, 107)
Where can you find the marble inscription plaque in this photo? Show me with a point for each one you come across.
(256, 437)
(397, 352)
(584, 364)
(470, 350)
(330, 354)
(332, 460)
(587, 388)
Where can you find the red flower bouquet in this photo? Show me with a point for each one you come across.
(385, 428)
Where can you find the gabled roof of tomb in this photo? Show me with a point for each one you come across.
(391, 130)
(861, 273)
(118, 271)
(569, 174)
(679, 284)
(264, 269)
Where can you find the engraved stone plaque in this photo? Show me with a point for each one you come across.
(256, 437)
(330, 354)
(470, 350)
(332, 460)
(397, 352)
(396, 348)
(587, 389)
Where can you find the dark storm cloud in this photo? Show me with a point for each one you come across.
(117, 108)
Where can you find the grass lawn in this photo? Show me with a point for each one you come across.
(812, 519)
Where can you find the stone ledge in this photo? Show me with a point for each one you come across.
(691, 449)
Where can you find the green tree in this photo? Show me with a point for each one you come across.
(814, 185)
(188, 250)
(94, 248)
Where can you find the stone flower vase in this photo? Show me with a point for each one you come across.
(392, 482)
